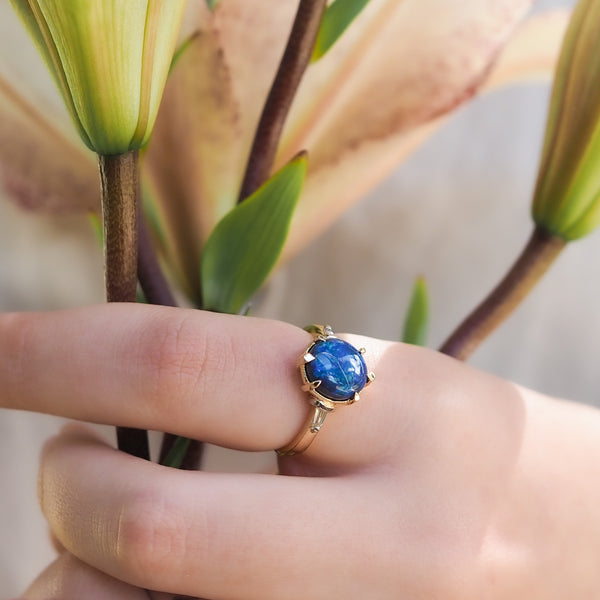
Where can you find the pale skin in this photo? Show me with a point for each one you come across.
(441, 482)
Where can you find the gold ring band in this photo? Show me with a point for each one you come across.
(307, 434)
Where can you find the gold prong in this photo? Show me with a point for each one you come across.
(370, 378)
(355, 398)
(308, 357)
(362, 350)
(314, 384)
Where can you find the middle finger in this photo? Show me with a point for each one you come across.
(211, 535)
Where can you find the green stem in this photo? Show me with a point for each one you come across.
(177, 453)
(190, 460)
(537, 256)
(293, 64)
(119, 183)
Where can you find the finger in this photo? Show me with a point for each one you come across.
(188, 372)
(67, 577)
(224, 379)
(211, 535)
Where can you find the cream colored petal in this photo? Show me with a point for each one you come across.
(533, 51)
(254, 35)
(419, 59)
(331, 188)
(379, 93)
(193, 162)
(328, 83)
(41, 167)
(331, 191)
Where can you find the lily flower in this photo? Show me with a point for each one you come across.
(110, 61)
(567, 196)
(397, 73)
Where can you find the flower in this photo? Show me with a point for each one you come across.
(422, 69)
(110, 60)
(567, 195)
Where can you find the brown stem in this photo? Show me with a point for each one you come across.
(537, 256)
(279, 101)
(119, 179)
(119, 183)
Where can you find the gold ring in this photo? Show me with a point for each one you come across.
(333, 372)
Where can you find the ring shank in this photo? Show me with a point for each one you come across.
(307, 434)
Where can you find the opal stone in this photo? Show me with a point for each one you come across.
(339, 366)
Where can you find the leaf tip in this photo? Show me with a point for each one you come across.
(417, 315)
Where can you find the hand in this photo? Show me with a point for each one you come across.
(442, 482)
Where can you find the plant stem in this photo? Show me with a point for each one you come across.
(293, 64)
(119, 183)
(190, 460)
(537, 256)
(119, 178)
(151, 278)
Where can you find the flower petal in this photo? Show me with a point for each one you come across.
(194, 162)
(329, 191)
(348, 166)
(254, 36)
(533, 51)
(41, 168)
(416, 60)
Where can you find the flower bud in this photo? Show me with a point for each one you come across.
(567, 196)
(110, 59)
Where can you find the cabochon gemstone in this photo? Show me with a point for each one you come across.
(339, 366)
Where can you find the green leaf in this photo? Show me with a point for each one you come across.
(337, 18)
(417, 316)
(246, 243)
(212, 4)
(96, 224)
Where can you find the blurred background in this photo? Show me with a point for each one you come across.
(457, 212)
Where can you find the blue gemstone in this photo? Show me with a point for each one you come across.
(339, 366)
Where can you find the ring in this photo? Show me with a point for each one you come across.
(333, 372)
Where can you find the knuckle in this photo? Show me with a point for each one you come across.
(151, 539)
(181, 361)
(173, 353)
